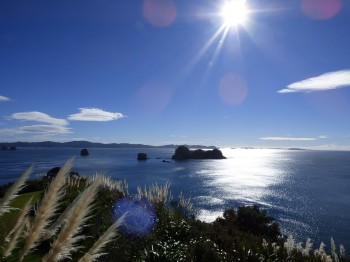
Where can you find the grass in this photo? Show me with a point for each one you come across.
(76, 219)
(8, 218)
(22, 199)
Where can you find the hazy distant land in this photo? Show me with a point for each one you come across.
(87, 144)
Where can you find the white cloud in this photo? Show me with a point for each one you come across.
(323, 137)
(39, 117)
(327, 81)
(278, 138)
(4, 99)
(36, 129)
(95, 114)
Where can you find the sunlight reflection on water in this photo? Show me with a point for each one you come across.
(245, 176)
(296, 187)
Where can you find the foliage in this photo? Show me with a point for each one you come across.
(252, 220)
(84, 225)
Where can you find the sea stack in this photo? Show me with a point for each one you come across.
(142, 156)
(84, 152)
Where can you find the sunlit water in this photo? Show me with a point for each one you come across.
(306, 191)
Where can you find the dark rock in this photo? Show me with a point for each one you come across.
(142, 156)
(183, 153)
(84, 152)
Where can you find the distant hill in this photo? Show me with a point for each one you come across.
(87, 144)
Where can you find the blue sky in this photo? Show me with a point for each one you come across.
(171, 71)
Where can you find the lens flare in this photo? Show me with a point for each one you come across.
(160, 13)
(321, 9)
(140, 218)
(153, 97)
(233, 89)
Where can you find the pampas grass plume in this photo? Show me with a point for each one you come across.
(14, 239)
(65, 242)
(320, 251)
(308, 247)
(341, 251)
(11, 193)
(96, 250)
(289, 244)
(19, 221)
(47, 209)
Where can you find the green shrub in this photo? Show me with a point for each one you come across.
(253, 220)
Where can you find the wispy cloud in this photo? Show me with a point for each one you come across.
(39, 117)
(46, 129)
(36, 129)
(327, 81)
(280, 138)
(181, 136)
(51, 126)
(95, 114)
(4, 99)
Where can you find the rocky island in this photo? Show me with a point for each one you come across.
(184, 153)
(142, 156)
(84, 152)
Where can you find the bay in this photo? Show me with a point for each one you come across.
(306, 191)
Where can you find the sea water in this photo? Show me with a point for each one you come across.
(308, 192)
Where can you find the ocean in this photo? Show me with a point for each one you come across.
(308, 192)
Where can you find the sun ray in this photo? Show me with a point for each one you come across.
(205, 48)
(232, 13)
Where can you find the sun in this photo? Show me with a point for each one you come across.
(234, 13)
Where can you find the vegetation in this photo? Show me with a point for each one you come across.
(77, 218)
